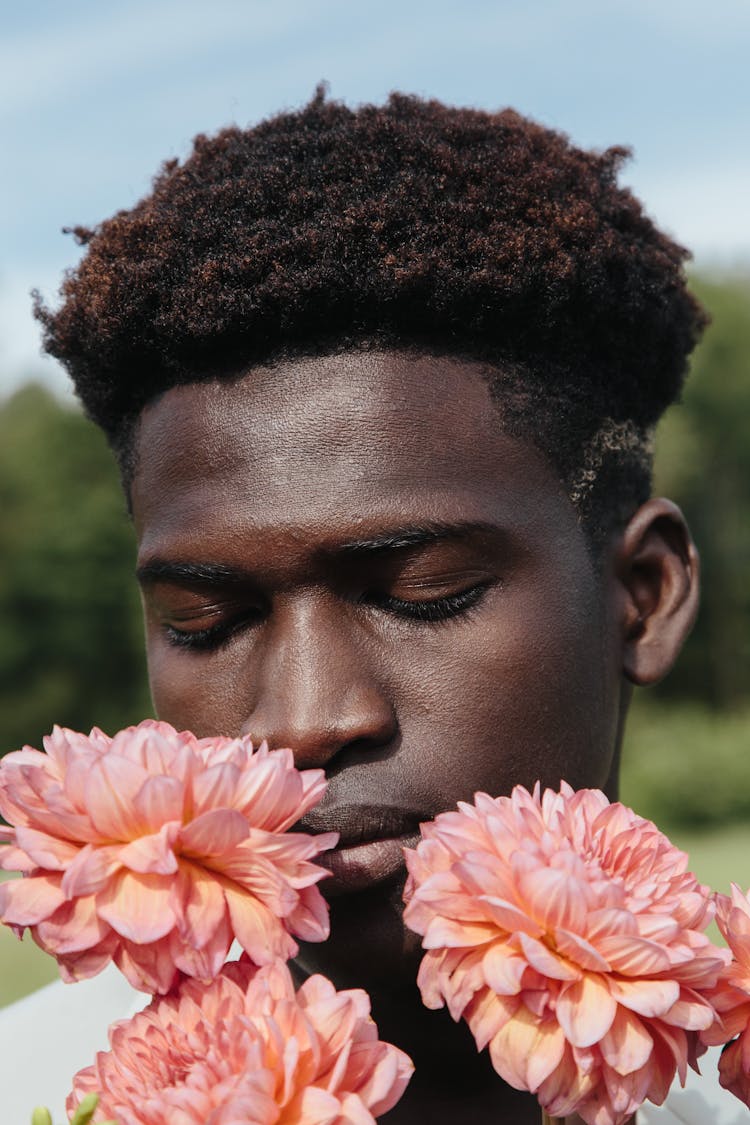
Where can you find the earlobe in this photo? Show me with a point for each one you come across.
(657, 568)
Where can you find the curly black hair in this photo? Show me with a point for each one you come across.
(412, 225)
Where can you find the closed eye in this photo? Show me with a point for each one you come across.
(431, 610)
(190, 620)
(211, 636)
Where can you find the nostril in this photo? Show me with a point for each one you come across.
(334, 758)
(352, 737)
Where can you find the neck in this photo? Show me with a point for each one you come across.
(452, 1082)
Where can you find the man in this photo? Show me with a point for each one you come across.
(382, 384)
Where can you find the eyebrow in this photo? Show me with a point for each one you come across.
(162, 570)
(404, 538)
(399, 539)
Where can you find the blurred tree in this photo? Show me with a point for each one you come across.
(703, 462)
(70, 632)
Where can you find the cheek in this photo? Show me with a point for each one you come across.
(194, 692)
(520, 697)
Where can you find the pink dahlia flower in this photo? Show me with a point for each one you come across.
(245, 1048)
(732, 996)
(568, 932)
(157, 849)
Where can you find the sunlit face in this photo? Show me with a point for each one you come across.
(348, 556)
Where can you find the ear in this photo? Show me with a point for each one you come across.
(657, 568)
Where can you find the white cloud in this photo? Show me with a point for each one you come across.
(93, 95)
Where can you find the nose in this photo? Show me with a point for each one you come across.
(314, 689)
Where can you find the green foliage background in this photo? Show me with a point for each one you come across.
(70, 630)
(70, 633)
(703, 462)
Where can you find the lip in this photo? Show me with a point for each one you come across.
(370, 847)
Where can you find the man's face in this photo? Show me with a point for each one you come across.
(348, 556)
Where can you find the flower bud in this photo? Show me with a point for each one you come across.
(85, 1110)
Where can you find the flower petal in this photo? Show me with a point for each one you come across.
(159, 800)
(646, 997)
(309, 920)
(634, 956)
(149, 968)
(627, 1046)
(111, 788)
(503, 969)
(138, 907)
(510, 917)
(45, 850)
(454, 934)
(546, 961)
(526, 1050)
(27, 901)
(153, 853)
(555, 899)
(75, 927)
(586, 1010)
(257, 930)
(213, 833)
(90, 870)
(581, 952)
(203, 906)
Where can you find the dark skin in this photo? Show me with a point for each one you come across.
(347, 555)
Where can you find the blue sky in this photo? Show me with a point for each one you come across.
(93, 96)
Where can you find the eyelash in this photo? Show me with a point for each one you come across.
(436, 610)
(203, 639)
(433, 612)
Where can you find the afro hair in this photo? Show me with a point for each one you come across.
(411, 225)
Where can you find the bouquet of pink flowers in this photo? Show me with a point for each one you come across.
(566, 930)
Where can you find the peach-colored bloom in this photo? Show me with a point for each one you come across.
(245, 1048)
(156, 849)
(568, 932)
(732, 996)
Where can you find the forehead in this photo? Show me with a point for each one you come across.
(337, 445)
